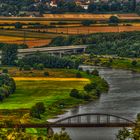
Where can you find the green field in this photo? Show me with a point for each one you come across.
(49, 92)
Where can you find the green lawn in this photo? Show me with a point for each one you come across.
(49, 92)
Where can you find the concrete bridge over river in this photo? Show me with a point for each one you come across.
(59, 51)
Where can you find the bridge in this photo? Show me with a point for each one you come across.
(53, 50)
(82, 120)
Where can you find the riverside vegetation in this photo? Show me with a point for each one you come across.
(44, 89)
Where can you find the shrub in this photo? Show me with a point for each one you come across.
(87, 22)
(78, 75)
(46, 73)
(26, 67)
(5, 71)
(37, 110)
(74, 93)
(134, 63)
(113, 19)
(38, 66)
(95, 72)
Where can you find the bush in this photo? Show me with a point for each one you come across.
(27, 67)
(90, 87)
(87, 22)
(74, 93)
(78, 75)
(46, 73)
(113, 19)
(134, 63)
(38, 66)
(95, 72)
(5, 71)
(37, 110)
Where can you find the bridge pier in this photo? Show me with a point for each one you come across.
(50, 132)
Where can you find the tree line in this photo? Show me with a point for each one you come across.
(39, 60)
(124, 44)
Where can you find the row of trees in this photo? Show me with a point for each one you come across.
(39, 61)
(7, 86)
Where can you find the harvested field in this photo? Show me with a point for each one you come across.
(65, 17)
(31, 43)
(88, 30)
(32, 39)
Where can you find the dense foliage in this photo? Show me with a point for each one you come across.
(17, 7)
(21, 134)
(125, 134)
(125, 44)
(47, 61)
(91, 90)
(7, 86)
(9, 52)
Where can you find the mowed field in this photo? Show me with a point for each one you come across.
(30, 91)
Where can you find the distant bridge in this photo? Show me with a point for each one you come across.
(83, 120)
(53, 50)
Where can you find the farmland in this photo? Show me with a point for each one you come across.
(61, 25)
(94, 29)
(68, 17)
(31, 39)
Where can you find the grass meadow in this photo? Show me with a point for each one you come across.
(30, 92)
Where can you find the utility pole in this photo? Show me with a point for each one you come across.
(24, 37)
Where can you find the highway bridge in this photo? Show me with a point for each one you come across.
(82, 120)
(53, 50)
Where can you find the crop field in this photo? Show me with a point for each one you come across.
(93, 29)
(32, 39)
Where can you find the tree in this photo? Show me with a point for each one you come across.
(18, 25)
(26, 67)
(95, 72)
(5, 71)
(134, 63)
(88, 88)
(113, 19)
(46, 73)
(9, 54)
(74, 93)
(37, 110)
(87, 22)
(78, 75)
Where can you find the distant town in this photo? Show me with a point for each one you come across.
(36, 8)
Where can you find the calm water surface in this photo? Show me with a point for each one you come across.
(123, 99)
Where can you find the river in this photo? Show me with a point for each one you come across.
(123, 99)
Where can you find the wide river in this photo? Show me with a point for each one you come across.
(123, 99)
